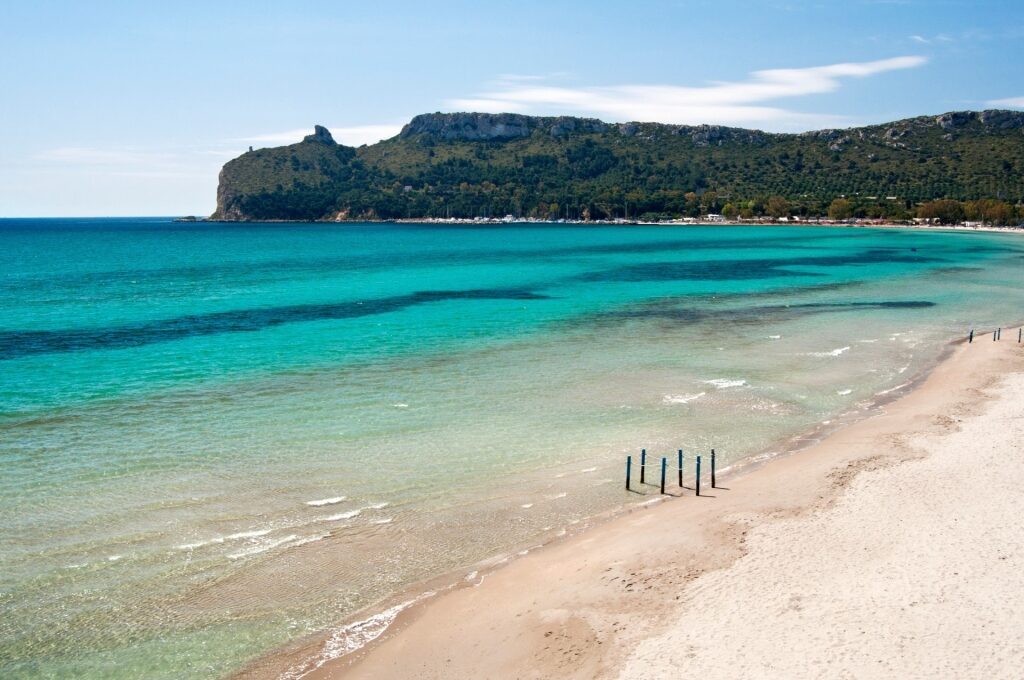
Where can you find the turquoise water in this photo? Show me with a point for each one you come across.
(216, 439)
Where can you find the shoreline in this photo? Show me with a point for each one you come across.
(396, 622)
(629, 223)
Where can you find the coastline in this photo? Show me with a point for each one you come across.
(628, 223)
(599, 593)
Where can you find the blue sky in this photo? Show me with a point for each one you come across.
(130, 108)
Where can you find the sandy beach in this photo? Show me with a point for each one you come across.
(889, 549)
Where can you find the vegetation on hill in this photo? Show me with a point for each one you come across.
(959, 165)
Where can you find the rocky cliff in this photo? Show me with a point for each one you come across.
(467, 164)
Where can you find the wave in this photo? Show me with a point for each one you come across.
(255, 533)
(681, 398)
(843, 393)
(216, 540)
(200, 544)
(891, 389)
(386, 520)
(343, 515)
(308, 539)
(526, 506)
(353, 637)
(774, 337)
(261, 547)
(354, 513)
(724, 383)
(833, 353)
(326, 501)
(590, 469)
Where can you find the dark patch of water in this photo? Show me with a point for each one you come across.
(15, 344)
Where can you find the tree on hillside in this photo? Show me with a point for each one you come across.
(777, 207)
(943, 211)
(989, 211)
(709, 202)
(840, 209)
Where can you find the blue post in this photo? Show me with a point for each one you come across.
(629, 465)
(664, 466)
(680, 468)
(698, 475)
(712, 468)
(643, 464)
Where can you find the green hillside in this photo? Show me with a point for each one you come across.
(471, 164)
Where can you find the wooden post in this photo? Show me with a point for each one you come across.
(643, 464)
(712, 468)
(664, 467)
(970, 338)
(698, 475)
(629, 466)
(1019, 331)
(680, 468)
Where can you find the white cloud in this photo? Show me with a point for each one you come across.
(719, 102)
(940, 38)
(350, 136)
(1013, 102)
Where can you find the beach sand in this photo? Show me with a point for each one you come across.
(889, 549)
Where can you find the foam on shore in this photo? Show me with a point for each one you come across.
(326, 501)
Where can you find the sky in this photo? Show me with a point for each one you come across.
(131, 108)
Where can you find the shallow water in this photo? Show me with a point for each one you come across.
(217, 438)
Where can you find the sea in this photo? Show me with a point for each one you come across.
(218, 440)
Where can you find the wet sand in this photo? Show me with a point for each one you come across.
(889, 549)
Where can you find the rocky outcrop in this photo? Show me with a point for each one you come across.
(993, 118)
(563, 126)
(469, 126)
(1002, 120)
(228, 208)
(472, 127)
(954, 119)
(321, 135)
(716, 135)
(277, 183)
